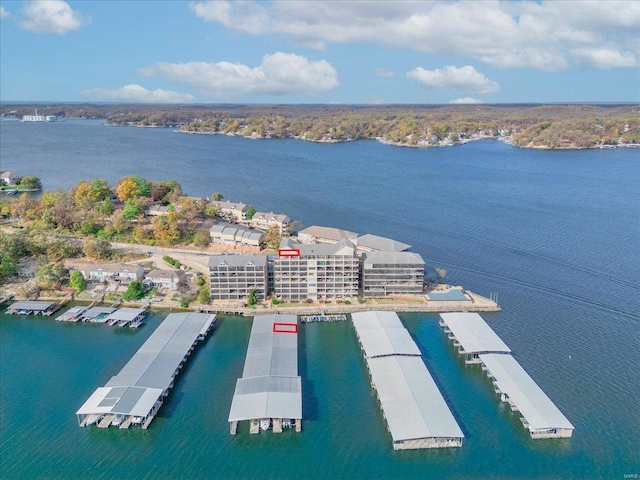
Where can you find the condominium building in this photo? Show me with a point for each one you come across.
(234, 212)
(236, 235)
(264, 221)
(316, 272)
(233, 276)
(388, 274)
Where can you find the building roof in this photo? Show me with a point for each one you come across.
(237, 260)
(112, 267)
(537, 409)
(150, 371)
(9, 174)
(328, 233)
(277, 217)
(382, 244)
(238, 231)
(343, 248)
(93, 312)
(393, 258)
(473, 333)
(125, 313)
(226, 205)
(270, 386)
(382, 334)
(157, 273)
(412, 403)
(35, 306)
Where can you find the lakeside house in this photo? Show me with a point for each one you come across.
(387, 274)
(233, 212)
(264, 221)
(315, 272)
(169, 279)
(10, 178)
(231, 277)
(119, 272)
(324, 235)
(236, 235)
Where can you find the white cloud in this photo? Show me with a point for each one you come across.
(465, 101)
(547, 35)
(384, 73)
(137, 94)
(464, 80)
(278, 74)
(4, 13)
(51, 16)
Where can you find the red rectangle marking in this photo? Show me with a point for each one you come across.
(285, 327)
(289, 252)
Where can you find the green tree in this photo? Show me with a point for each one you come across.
(144, 188)
(105, 207)
(204, 294)
(131, 210)
(216, 196)
(252, 298)
(52, 275)
(77, 281)
(135, 291)
(31, 183)
(250, 212)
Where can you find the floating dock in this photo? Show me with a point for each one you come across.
(479, 344)
(416, 413)
(97, 314)
(126, 316)
(32, 307)
(269, 394)
(135, 395)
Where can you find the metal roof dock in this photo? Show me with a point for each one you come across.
(31, 308)
(270, 390)
(72, 315)
(97, 314)
(126, 315)
(416, 413)
(471, 335)
(382, 333)
(137, 392)
(515, 387)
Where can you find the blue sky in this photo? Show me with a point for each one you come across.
(320, 51)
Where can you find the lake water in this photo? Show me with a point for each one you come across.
(555, 233)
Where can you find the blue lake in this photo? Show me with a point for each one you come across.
(555, 233)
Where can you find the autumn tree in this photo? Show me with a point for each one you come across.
(216, 196)
(127, 189)
(165, 228)
(97, 248)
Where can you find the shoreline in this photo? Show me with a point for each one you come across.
(505, 140)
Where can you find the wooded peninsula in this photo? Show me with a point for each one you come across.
(526, 125)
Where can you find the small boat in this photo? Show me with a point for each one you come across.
(118, 420)
(93, 418)
(265, 423)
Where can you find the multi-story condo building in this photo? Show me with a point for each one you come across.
(316, 272)
(234, 212)
(264, 221)
(120, 272)
(389, 274)
(231, 277)
(324, 235)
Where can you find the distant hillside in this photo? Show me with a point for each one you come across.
(529, 126)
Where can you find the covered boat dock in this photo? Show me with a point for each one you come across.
(516, 388)
(31, 307)
(97, 314)
(269, 394)
(416, 413)
(135, 395)
(126, 316)
(471, 335)
(72, 315)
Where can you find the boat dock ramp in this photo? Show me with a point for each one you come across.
(134, 396)
(479, 344)
(269, 394)
(340, 317)
(416, 413)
